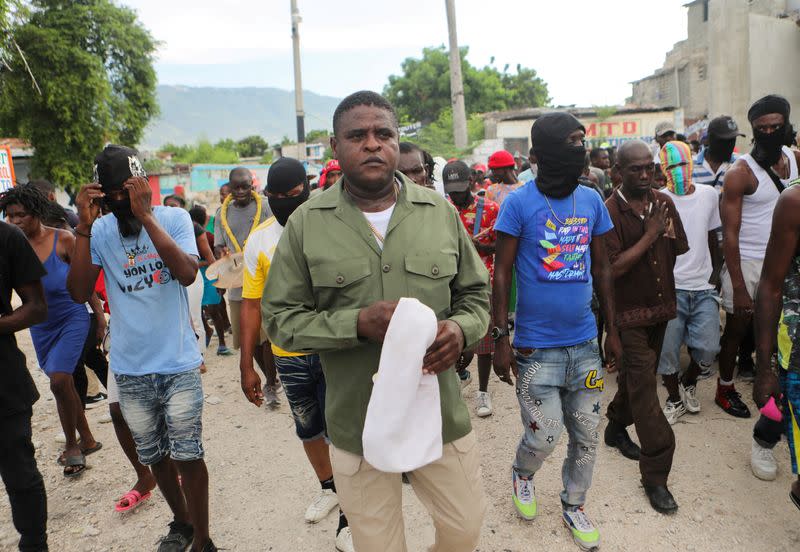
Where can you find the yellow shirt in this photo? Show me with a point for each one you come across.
(258, 253)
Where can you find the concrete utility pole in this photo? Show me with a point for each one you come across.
(298, 85)
(456, 83)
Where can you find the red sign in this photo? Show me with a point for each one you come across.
(612, 129)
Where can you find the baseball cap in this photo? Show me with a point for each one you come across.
(723, 127)
(480, 167)
(116, 164)
(663, 127)
(456, 177)
(501, 159)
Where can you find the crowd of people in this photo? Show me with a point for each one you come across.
(555, 271)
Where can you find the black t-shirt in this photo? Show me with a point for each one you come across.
(19, 265)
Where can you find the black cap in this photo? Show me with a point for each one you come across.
(116, 164)
(284, 174)
(724, 128)
(456, 176)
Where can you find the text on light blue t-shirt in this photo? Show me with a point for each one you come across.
(151, 332)
(553, 264)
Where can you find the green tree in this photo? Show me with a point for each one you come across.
(422, 91)
(317, 136)
(252, 146)
(526, 87)
(221, 153)
(437, 138)
(94, 63)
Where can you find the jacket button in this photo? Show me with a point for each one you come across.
(435, 270)
(340, 279)
(387, 268)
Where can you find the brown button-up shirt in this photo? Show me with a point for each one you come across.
(645, 295)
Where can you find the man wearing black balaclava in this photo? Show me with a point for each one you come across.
(301, 374)
(749, 194)
(149, 256)
(750, 191)
(717, 157)
(553, 231)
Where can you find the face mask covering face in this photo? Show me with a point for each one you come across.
(676, 160)
(767, 146)
(283, 207)
(559, 162)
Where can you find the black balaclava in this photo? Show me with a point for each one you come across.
(767, 147)
(462, 200)
(112, 167)
(559, 164)
(720, 149)
(284, 174)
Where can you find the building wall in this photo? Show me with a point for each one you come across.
(774, 60)
(612, 130)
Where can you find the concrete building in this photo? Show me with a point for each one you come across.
(736, 51)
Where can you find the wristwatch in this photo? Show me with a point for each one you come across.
(497, 333)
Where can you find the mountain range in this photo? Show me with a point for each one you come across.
(189, 114)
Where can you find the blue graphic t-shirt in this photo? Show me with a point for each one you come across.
(151, 332)
(553, 264)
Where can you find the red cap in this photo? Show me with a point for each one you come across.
(501, 159)
(332, 165)
(479, 167)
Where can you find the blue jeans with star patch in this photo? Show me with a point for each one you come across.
(559, 387)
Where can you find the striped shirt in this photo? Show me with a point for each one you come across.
(702, 173)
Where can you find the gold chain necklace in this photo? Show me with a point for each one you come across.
(554, 213)
(224, 217)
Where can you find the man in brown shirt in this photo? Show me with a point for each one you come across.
(646, 239)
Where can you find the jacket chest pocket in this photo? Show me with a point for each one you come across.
(341, 284)
(429, 277)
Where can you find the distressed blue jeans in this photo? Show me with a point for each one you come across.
(559, 387)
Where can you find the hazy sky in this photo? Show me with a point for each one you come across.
(587, 51)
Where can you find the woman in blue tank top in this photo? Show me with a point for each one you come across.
(59, 341)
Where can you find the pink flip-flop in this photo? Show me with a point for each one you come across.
(134, 499)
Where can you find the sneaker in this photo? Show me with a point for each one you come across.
(178, 539)
(321, 506)
(523, 495)
(271, 396)
(583, 530)
(763, 463)
(466, 378)
(95, 400)
(730, 401)
(484, 401)
(689, 397)
(705, 372)
(224, 351)
(344, 540)
(673, 411)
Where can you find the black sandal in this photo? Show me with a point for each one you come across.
(74, 465)
(795, 499)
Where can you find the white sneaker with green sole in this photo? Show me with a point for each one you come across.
(584, 533)
(523, 495)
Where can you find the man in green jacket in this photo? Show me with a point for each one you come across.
(345, 258)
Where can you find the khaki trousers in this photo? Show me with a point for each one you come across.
(450, 489)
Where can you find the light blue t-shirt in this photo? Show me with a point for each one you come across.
(553, 263)
(151, 329)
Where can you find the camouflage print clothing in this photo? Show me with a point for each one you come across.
(788, 354)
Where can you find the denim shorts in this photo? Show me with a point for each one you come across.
(164, 413)
(696, 326)
(304, 385)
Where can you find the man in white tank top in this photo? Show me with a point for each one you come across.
(750, 190)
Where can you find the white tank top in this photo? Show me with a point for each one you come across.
(757, 208)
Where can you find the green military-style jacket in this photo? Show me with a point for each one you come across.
(328, 265)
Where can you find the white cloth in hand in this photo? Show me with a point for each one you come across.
(403, 428)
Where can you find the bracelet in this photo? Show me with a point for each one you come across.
(87, 236)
